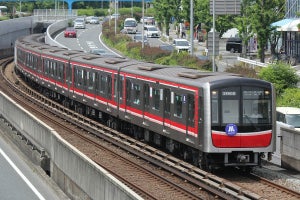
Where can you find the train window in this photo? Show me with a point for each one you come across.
(128, 90)
(35, 62)
(85, 78)
(118, 83)
(54, 70)
(91, 80)
(102, 84)
(256, 105)
(156, 98)
(115, 86)
(68, 74)
(109, 87)
(121, 87)
(46, 66)
(78, 76)
(97, 86)
(146, 95)
(60, 71)
(136, 94)
(230, 99)
(167, 101)
(178, 105)
(191, 110)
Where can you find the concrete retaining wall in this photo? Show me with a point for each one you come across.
(77, 175)
(11, 29)
(53, 29)
(290, 148)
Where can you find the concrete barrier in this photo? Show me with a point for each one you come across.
(77, 175)
(12, 29)
(290, 148)
(52, 31)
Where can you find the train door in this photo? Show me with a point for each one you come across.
(166, 109)
(146, 102)
(190, 118)
(68, 74)
(128, 86)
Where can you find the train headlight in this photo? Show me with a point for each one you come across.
(214, 93)
(267, 92)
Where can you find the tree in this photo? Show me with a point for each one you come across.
(281, 75)
(262, 13)
(165, 9)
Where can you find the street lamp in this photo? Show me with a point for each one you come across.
(192, 26)
(131, 8)
(116, 15)
(143, 17)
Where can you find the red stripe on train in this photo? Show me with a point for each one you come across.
(242, 141)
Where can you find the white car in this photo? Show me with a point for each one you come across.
(152, 31)
(94, 20)
(289, 115)
(79, 23)
(181, 45)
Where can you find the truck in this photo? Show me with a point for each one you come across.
(234, 44)
(130, 25)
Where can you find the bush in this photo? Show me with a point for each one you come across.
(290, 97)
(281, 75)
(242, 70)
(123, 43)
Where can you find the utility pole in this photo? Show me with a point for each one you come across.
(192, 26)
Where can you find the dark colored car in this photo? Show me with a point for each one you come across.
(234, 44)
(70, 32)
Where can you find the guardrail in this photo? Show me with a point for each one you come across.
(252, 62)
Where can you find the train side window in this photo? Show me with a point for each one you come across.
(191, 110)
(118, 87)
(78, 76)
(128, 90)
(27, 60)
(86, 77)
(68, 73)
(102, 84)
(51, 69)
(46, 66)
(54, 70)
(156, 98)
(60, 71)
(146, 95)
(121, 87)
(136, 94)
(109, 86)
(35, 62)
(167, 101)
(91, 80)
(97, 83)
(178, 105)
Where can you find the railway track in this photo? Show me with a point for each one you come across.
(167, 177)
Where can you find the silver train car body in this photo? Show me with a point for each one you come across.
(205, 117)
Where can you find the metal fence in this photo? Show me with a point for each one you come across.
(52, 15)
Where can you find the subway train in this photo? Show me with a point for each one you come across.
(211, 119)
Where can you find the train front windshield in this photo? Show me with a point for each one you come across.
(247, 107)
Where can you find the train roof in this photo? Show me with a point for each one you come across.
(178, 74)
(170, 73)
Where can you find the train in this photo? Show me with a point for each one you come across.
(211, 119)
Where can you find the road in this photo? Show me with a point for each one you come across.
(19, 178)
(89, 38)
